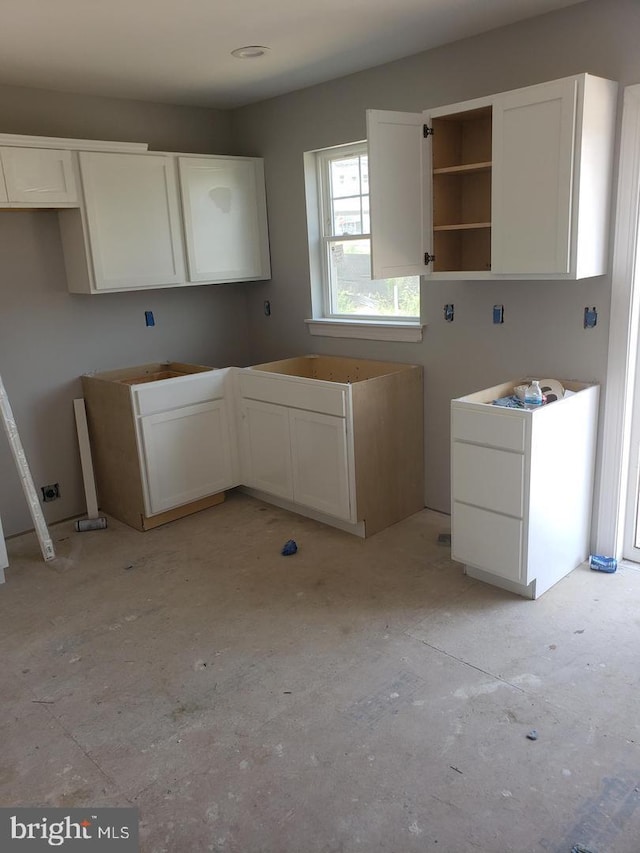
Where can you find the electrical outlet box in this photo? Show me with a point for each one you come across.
(50, 493)
(267, 308)
(448, 313)
(149, 318)
(590, 317)
(498, 314)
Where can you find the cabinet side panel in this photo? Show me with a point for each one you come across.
(388, 430)
(596, 168)
(563, 444)
(75, 249)
(114, 449)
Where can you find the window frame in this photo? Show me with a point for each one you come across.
(323, 159)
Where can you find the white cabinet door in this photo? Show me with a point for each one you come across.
(533, 167)
(40, 177)
(133, 220)
(225, 218)
(319, 457)
(187, 454)
(266, 448)
(399, 218)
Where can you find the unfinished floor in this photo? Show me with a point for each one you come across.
(357, 696)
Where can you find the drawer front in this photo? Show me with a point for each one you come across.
(488, 541)
(490, 425)
(493, 479)
(307, 394)
(167, 394)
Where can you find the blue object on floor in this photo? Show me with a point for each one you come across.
(290, 547)
(603, 564)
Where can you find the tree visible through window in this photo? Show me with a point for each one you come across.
(349, 290)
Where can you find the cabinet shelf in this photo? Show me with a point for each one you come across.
(465, 169)
(465, 226)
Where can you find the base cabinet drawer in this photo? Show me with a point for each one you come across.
(492, 479)
(488, 541)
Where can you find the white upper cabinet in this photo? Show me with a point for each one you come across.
(514, 185)
(37, 177)
(132, 220)
(225, 218)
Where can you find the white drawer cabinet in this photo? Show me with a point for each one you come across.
(522, 487)
(225, 218)
(37, 177)
(163, 440)
(514, 185)
(319, 435)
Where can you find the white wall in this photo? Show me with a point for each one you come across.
(48, 337)
(543, 331)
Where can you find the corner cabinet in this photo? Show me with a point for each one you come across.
(225, 218)
(163, 440)
(522, 486)
(516, 185)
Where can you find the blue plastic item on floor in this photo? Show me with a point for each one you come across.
(603, 564)
(290, 547)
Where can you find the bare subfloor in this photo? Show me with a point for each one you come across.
(357, 696)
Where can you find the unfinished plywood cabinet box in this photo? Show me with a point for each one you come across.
(163, 440)
(338, 439)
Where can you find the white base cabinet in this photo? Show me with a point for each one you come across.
(319, 435)
(515, 185)
(522, 487)
(163, 440)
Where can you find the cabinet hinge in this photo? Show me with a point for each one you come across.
(427, 131)
(428, 258)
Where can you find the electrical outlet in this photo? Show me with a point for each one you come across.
(50, 493)
(448, 313)
(590, 317)
(267, 308)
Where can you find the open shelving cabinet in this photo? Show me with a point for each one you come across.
(461, 169)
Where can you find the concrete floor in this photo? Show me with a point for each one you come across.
(357, 696)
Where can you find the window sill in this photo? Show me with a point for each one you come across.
(371, 330)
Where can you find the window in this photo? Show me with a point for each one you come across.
(347, 287)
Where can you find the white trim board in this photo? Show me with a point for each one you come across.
(623, 337)
(4, 560)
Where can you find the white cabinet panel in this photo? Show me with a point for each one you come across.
(186, 454)
(319, 457)
(133, 220)
(175, 393)
(496, 428)
(533, 150)
(489, 541)
(399, 219)
(489, 478)
(40, 177)
(225, 218)
(266, 450)
(3, 188)
(290, 391)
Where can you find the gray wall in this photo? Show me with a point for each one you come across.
(543, 331)
(48, 337)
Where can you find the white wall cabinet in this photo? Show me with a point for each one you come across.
(516, 185)
(131, 227)
(163, 440)
(319, 435)
(37, 177)
(522, 487)
(225, 218)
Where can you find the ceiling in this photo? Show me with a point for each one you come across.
(178, 51)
